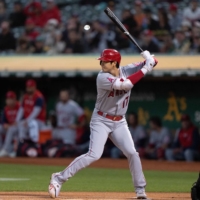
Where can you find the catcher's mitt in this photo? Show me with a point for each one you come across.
(195, 190)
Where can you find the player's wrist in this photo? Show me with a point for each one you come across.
(144, 70)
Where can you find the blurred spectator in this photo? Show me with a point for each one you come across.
(51, 12)
(9, 128)
(186, 28)
(195, 38)
(175, 18)
(129, 22)
(74, 44)
(17, 17)
(23, 46)
(7, 40)
(138, 134)
(163, 20)
(192, 13)
(122, 41)
(163, 25)
(31, 116)
(39, 46)
(67, 113)
(186, 143)
(30, 31)
(149, 42)
(3, 12)
(104, 18)
(72, 24)
(150, 22)
(34, 11)
(167, 45)
(100, 37)
(159, 140)
(52, 37)
(181, 43)
(139, 15)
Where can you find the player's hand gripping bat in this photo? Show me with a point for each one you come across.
(117, 22)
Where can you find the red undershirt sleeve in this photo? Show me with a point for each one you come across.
(134, 78)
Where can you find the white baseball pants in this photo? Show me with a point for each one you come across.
(118, 132)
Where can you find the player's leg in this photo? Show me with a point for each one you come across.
(190, 155)
(98, 138)
(33, 130)
(22, 130)
(121, 137)
(8, 143)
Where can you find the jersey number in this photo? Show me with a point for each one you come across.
(125, 102)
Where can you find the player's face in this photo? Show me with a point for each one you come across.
(30, 90)
(108, 66)
(10, 102)
(64, 96)
(185, 124)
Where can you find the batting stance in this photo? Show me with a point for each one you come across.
(114, 86)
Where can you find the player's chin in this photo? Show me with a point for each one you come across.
(104, 70)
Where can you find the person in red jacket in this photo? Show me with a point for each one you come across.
(32, 113)
(52, 11)
(9, 127)
(34, 11)
(187, 142)
(30, 32)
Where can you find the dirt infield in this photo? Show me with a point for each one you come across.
(103, 163)
(89, 196)
(109, 163)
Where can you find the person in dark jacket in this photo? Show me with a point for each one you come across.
(7, 40)
(17, 18)
(186, 143)
(149, 43)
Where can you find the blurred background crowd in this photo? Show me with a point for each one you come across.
(27, 130)
(80, 26)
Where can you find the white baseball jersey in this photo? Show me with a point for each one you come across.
(110, 101)
(67, 113)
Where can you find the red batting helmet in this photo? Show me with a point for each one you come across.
(11, 95)
(110, 55)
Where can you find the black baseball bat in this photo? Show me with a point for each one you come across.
(117, 22)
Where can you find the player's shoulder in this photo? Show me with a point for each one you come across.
(103, 76)
(39, 94)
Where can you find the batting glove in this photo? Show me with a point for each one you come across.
(149, 64)
(146, 55)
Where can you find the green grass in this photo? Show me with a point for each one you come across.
(93, 179)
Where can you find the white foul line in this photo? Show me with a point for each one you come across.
(14, 179)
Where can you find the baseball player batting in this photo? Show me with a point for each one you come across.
(114, 86)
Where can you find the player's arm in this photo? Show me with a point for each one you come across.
(135, 67)
(131, 80)
(20, 114)
(36, 110)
